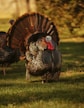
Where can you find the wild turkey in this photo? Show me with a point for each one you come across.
(28, 34)
(7, 54)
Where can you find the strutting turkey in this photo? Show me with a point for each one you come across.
(28, 34)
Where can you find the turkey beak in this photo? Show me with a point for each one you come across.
(44, 44)
(22, 57)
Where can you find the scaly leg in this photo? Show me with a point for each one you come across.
(27, 73)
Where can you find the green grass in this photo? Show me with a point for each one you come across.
(16, 92)
(73, 55)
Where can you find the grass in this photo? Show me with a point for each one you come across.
(73, 55)
(16, 92)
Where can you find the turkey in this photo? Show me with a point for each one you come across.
(7, 54)
(36, 38)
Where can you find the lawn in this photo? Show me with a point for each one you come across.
(16, 92)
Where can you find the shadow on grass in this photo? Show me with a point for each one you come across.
(72, 56)
(77, 79)
(15, 71)
(66, 89)
(66, 95)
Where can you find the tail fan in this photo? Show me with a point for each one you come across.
(30, 25)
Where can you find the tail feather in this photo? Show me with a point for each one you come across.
(28, 25)
(45, 21)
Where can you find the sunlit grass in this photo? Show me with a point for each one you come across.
(17, 92)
